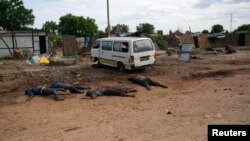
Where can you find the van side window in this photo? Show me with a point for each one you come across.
(121, 47)
(96, 45)
(107, 45)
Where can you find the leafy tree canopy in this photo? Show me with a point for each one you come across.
(146, 28)
(244, 27)
(14, 16)
(120, 28)
(217, 28)
(205, 31)
(77, 25)
(50, 26)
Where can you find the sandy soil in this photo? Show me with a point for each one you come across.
(211, 90)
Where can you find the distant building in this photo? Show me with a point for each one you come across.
(215, 40)
(34, 41)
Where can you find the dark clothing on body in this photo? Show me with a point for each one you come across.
(39, 90)
(72, 88)
(145, 81)
(110, 91)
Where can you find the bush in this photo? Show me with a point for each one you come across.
(5, 58)
(162, 44)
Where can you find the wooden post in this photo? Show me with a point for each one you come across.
(33, 46)
(13, 44)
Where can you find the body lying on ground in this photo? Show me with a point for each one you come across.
(43, 91)
(145, 81)
(229, 50)
(72, 88)
(110, 91)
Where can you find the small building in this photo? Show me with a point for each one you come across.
(216, 40)
(33, 41)
(240, 38)
(201, 40)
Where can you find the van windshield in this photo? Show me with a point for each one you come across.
(142, 46)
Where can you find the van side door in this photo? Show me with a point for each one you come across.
(106, 53)
(121, 52)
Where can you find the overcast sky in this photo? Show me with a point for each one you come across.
(163, 14)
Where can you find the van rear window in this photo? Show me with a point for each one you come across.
(142, 46)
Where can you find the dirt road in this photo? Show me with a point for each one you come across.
(211, 90)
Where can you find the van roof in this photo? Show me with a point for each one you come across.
(122, 38)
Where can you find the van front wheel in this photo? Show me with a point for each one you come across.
(121, 67)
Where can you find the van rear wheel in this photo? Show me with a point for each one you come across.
(121, 67)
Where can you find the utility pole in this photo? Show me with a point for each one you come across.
(231, 25)
(231, 21)
(108, 18)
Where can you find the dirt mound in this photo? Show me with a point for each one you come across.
(219, 73)
(239, 62)
(64, 62)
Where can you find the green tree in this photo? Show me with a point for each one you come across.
(14, 16)
(50, 26)
(101, 34)
(120, 28)
(217, 28)
(77, 25)
(244, 27)
(205, 31)
(146, 28)
(90, 26)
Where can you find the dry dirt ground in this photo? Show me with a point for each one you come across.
(212, 90)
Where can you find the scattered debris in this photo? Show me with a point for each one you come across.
(209, 51)
(22, 53)
(43, 60)
(200, 75)
(33, 60)
(240, 93)
(229, 50)
(218, 115)
(78, 75)
(212, 116)
(168, 112)
(63, 62)
(72, 129)
(195, 57)
(207, 116)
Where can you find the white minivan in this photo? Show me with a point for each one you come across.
(124, 52)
